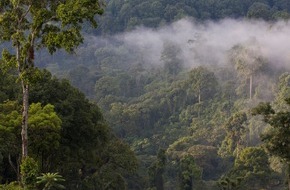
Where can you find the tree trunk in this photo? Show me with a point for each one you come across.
(199, 103)
(199, 96)
(25, 104)
(24, 126)
(251, 86)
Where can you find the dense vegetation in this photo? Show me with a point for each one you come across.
(67, 135)
(191, 127)
(136, 124)
(122, 15)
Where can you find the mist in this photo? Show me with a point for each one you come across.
(204, 43)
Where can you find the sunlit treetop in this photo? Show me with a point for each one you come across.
(52, 24)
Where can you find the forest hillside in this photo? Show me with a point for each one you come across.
(163, 95)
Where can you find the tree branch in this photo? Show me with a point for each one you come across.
(12, 165)
(25, 14)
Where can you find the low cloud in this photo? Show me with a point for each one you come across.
(208, 43)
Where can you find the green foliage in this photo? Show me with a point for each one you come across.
(68, 134)
(74, 13)
(276, 138)
(149, 112)
(190, 173)
(8, 61)
(248, 62)
(8, 88)
(50, 181)
(263, 108)
(156, 171)
(63, 33)
(11, 186)
(229, 184)
(282, 93)
(253, 159)
(88, 154)
(251, 168)
(115, 163)
(203, 82)
(191, 114)
(28, 26)
(235, 129)
(9, 127)
(259, 10)
(29, 171)
(170, 57)
(122, 16)
(45, 127)
(45, 132)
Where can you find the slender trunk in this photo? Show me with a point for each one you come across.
(199, 102)
(251, 86)
(24, 136)
(238, 148)
(199, 96)
(25, 104)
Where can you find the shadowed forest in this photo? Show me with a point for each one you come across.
(162, 95)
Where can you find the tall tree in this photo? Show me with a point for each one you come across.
(170, 56)
(203, 82)
(45, 127)
(247, 61)
(30, 25)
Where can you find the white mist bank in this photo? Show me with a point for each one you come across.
(208, 43)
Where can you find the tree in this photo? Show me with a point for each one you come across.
(9, 130)
(29, 25)
(203, 82)
(190, 173)
(283, 92)
(251, 169)
(277, 138)
(171, 58)
(117, 164)
(156, 171)
(89, 156)
(202, 85)
(29, 171)
(45, 129)
(259, 10)
(248, 62)
(235, 129)
(83, 133)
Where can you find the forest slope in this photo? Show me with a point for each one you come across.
(177, 81)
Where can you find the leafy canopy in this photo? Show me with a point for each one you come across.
(31, 24)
